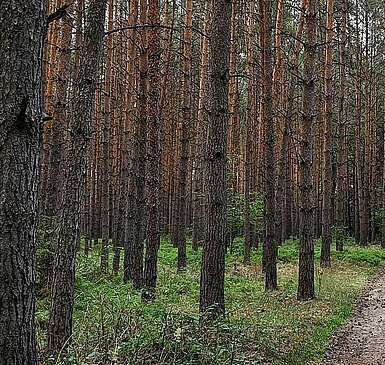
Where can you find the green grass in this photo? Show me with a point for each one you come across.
(112, 326)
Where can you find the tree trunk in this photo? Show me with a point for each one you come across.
(327, 147)
(56, 157)
(153, 153)
(306, 289)
(129, 231)
(81, 108)
(21, 45)
(341, 164)
(383, 182)
(106, 140)
(185, 126)
(213, 262)
(198, 183)
(139, 156)
(249, 133)
(270, 247)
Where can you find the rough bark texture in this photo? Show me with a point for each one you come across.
(56, 156)
(306, 288)
(105, 147)
(327, 152)
(201, 134)
(153, 153)
(383, 186)
(185, 126)
(21, 37)
(81, 109)
(139, 156)
(341, 211)
(249, 134)
(128, 264)
(270, 247)
(213, 263)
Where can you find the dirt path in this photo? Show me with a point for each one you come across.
(362, 340)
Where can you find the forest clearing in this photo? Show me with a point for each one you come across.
(192, 182)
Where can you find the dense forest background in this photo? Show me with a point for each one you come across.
(159, 147)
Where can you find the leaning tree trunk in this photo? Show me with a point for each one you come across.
(213, 263)
(21, 42)
(81, 109)
(327, 147)
(306, 288)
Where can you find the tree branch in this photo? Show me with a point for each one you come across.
(58, 14)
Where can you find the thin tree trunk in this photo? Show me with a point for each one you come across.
(129, 232)
(327, 147)
(139, 156)
(81, 108)
(56, 157)
(106, 140)
(198, 183)
(383, 186)
(341, 165)
(270, 247)
(185, 126)
(249, 133)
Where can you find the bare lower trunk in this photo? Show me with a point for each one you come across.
(327, 148)
(21, 42)
(60, 323)
(153, 155)
(270, 251)
(306, 289)
(213, 262)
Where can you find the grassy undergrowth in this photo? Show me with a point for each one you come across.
(112, 326)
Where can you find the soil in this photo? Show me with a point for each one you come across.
(362, 340)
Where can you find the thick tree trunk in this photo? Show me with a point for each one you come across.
(306, 289)
(81, 109)
(153, 153)
(21, 44)
(213, 262)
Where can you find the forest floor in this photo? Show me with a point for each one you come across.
(113, 327)
(362, 340)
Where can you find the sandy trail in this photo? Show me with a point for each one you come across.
(362, 340)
